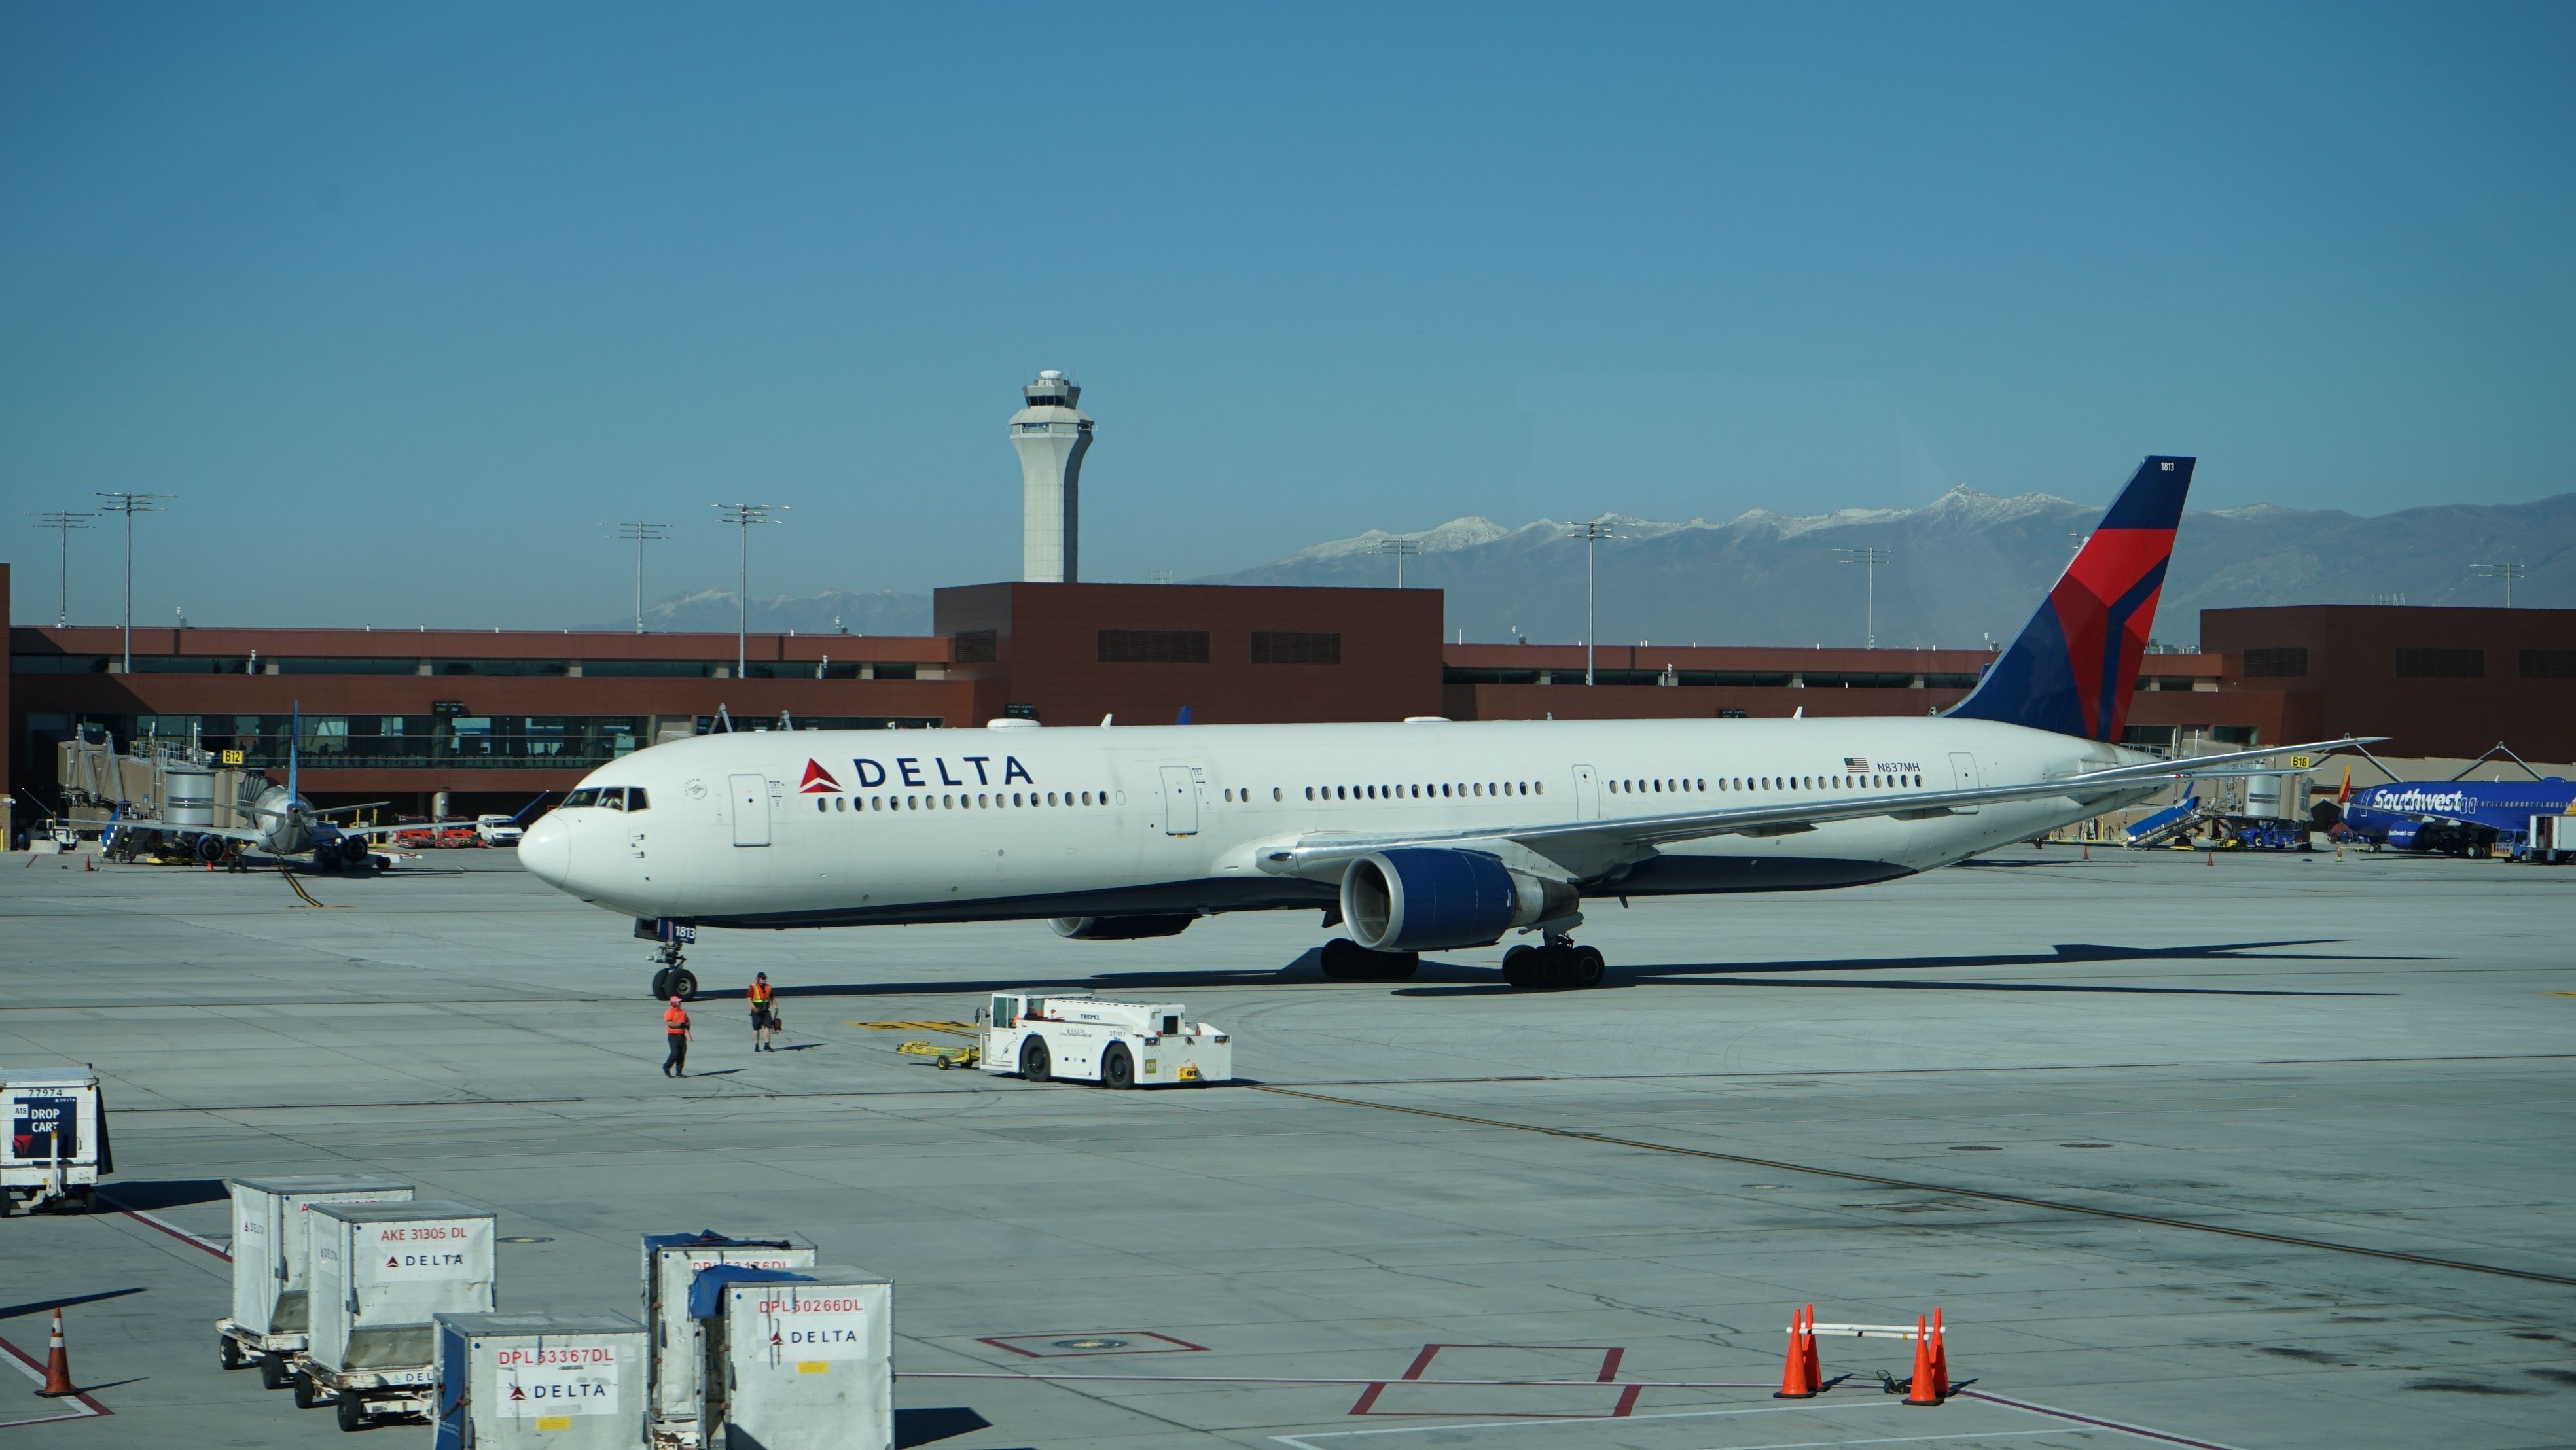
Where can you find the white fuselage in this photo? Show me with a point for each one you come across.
(820, 828)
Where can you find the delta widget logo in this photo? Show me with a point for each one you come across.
(818, 781)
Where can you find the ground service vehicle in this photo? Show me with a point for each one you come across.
(1115, 1044)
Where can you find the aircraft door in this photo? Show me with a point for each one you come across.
(750, 810)
(1963, 776)
(1587, 794)
(1180, 801)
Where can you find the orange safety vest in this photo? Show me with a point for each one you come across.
(760, 994)
(674, 1020)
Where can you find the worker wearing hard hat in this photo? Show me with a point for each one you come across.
(675, 1031)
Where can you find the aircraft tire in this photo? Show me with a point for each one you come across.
(661, 988)
(1397, 966)
(1341, 958)
(1117, 1069)
(1552, 970)
(1588, 968)
(684, 984)
(1035, 1064)
(1516, 965)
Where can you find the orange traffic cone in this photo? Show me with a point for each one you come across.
(1815, 1361)
(1922, 1390)
(58, 1365)
(1797, 1375)
(1940, 1357)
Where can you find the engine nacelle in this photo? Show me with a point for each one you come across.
(1119, 928)
(1424, 898)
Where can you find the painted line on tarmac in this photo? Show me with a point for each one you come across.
(172, 1229)
(2122, 1427)
(34, 1369)
(1989, 1195)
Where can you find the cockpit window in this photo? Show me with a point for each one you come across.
(613, 797)
(635, 798)
(584, 797)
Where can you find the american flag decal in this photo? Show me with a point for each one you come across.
(1856, 764)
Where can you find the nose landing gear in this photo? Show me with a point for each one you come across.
(673, 979)
(1554, 966)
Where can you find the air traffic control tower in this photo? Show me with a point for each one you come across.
(1051, 435)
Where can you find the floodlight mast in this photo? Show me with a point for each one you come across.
(642, 534)
(1868, 559)
(1591, 534)
(63, 524)
(2507, 572)
(130, 504)
(1402, 549)
(744, 515)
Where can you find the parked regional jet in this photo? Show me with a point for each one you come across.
(1421, 836)
(284, 823)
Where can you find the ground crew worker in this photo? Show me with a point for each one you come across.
(675, 1030)
(764, 1019)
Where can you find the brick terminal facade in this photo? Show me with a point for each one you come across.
(493, 719)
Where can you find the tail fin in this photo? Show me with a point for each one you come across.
(2076, 662)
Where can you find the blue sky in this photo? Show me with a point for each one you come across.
(408, 301)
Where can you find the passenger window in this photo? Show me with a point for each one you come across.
(822, 805)
(1275, 795)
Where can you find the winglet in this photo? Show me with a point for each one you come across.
(2076, 663)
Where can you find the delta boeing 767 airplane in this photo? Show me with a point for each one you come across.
(1426, 835)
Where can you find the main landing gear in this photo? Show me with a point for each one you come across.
(1554, 966)
(673, 978)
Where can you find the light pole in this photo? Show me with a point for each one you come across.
(1591, 534)
(641, 534)
(130, 504)
(1400, 548)
(744, 515)
(1868, 560)
(63, 524)
(2506, 572)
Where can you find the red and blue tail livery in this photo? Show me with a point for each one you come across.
(2076, 662)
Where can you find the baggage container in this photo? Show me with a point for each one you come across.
(381, 1272)
(525, 1381)
(271, 1259)
(672, 1263)
(57, 1147)
(798, 1359)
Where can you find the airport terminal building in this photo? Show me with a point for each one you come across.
(491, 720)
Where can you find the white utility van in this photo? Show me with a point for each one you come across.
(498, 830)
(1116, 1044)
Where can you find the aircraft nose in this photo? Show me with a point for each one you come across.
(546, 850)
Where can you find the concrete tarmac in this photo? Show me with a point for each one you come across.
(2266, 1152)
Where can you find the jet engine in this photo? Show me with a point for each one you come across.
(1422, 898)
(1119, 928)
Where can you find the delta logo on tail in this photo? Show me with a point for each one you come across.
(2072, 669)
(818, 781)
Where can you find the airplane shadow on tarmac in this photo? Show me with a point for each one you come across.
(1794, 974)
(1437, 978)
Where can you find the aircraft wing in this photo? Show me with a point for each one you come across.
(1629, 836)
(226, 833)
(404, 826)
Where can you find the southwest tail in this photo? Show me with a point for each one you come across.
(2076, 662)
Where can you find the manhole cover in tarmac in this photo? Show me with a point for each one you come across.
(1974, 1148)
(1086, 1344)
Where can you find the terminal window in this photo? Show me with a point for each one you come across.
(2285, 662)
(2441, 664)
(1292, 647)
(976, 646)
(2549, 664)
(1153, 646)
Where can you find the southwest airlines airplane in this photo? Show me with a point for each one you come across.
(1428, 835)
